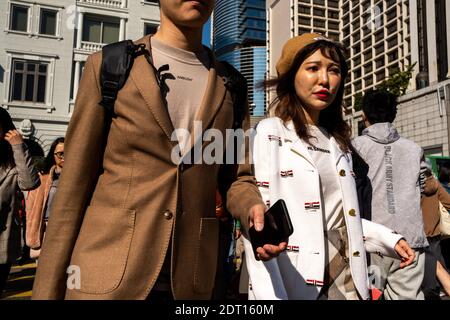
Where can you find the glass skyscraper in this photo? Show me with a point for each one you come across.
(239, 37)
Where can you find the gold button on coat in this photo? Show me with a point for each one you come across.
(352, 212)
(168, 214)
(342, 173)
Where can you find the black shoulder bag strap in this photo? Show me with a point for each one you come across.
(237, 84)
(117, 62)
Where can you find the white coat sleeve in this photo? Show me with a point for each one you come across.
(380, 239)
(261, 161)
(265, 277)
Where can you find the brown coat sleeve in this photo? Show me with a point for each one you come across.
(34, 213)
(83, 149)
(243, 193)
(431, 186)
(30, 200)
(27, 174)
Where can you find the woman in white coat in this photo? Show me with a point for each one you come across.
(302, 155)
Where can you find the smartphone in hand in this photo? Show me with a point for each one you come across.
(277, 227)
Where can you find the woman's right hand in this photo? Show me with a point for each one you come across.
(405, 252)
(268, 251)
(13, 137)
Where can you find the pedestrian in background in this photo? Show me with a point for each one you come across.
(444, 179)
(39, 201)
(17, 174)
(435, 276)
(302, 156)
(394, 168)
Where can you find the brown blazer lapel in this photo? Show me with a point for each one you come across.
(144, 78)
(212, 99)
(214, 95)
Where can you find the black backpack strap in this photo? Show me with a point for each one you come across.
(117, 62)
(237, 84)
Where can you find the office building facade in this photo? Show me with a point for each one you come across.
(239, 37)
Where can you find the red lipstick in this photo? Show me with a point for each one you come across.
(322, 94)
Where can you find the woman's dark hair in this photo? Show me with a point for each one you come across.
(288, 106)
(379, 106)
(6, 153)
(49, 160)
(444, 173)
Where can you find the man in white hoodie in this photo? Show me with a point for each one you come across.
(394, 168)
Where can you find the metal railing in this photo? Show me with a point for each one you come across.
(91, 46)
(105, 3)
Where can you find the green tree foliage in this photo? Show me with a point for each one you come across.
(398, 82)
(358, 101)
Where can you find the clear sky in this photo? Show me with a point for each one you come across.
(207, 34)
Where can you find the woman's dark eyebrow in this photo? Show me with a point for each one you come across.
(311, 62)
(320, 62)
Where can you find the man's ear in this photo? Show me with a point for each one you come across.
(365, 120)
(363, 115)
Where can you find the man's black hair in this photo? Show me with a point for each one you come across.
(444, 173)
(379, 106)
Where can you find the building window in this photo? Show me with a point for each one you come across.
(380, 76)
(319, 12)
(28, 81)
(390, 3)
(304, 10)
(392, 28)
(319, 23)
(441, 39)
(48, 22)
(100, 31)
(150, 28)
(333, 14)
(333, 3)
(305, 21)
(392, 42)
(333, 25)
(379, 62)
(392, 56)
(19, 18)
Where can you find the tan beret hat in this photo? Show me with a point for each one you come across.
(293, 47)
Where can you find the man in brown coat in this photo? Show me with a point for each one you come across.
(127, 222)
